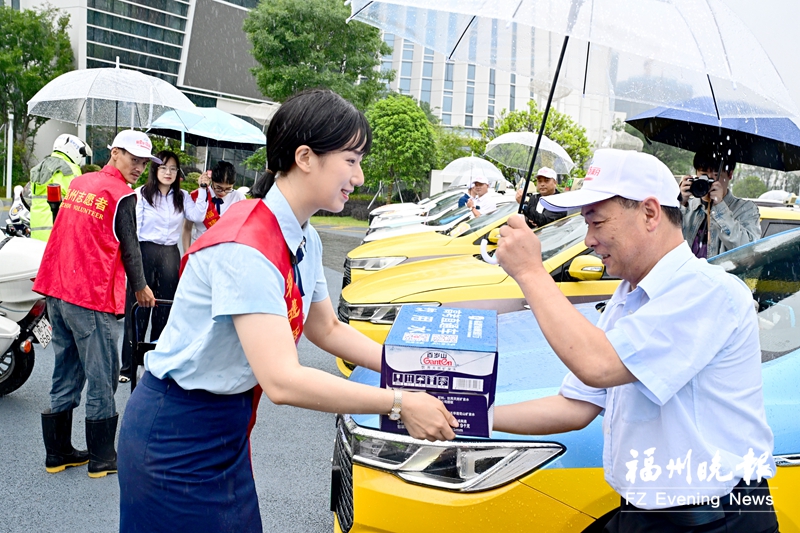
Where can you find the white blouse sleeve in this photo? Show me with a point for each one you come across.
(194, 210)
(139, 210)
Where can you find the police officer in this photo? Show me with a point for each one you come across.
(60, 168)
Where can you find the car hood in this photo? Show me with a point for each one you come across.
(402, 245)
(405, 283)
(528, 368)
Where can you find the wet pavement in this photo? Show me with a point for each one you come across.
(291, 450)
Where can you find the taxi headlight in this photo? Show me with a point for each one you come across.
(463, 466)
(376, 263)
(379, 313)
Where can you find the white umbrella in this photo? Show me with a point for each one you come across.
(110, 97)
(652, 52)
(461, 171)
(514, 150)
(262, 113)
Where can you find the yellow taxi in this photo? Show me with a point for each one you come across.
(384, 482)
(371, 304)
(463, 239)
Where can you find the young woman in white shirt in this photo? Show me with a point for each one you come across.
(184, 447)
(217, 198)
(161, 209)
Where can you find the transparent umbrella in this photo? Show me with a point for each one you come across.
(462, 170)
(514, 150)
(217, 128)
(262, 113)
(110, 97)
(654, 52)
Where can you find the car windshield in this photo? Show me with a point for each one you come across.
(560, 235)
(771, 270)
(443, 204)
(477, 224)
(448, 217)
(436, 197)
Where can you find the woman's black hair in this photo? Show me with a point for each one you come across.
(223, 172)
(319, 119)
(150, 188)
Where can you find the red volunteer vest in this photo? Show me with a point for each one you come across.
(250, 222)
(211, 213)
(82, 262)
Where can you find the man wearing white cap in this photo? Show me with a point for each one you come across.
(481, 203)
(673, 365)
(536, 214)
(91, 249)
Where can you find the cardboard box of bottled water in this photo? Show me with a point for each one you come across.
(450, 353)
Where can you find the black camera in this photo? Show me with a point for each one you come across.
(700, 185)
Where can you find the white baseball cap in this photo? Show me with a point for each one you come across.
(626, 173)
(135, 142)
(547, 172)
(480, 179)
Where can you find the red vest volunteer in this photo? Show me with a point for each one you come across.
(92, 247)
(85, 268)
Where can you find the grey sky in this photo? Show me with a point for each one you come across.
(775, 23)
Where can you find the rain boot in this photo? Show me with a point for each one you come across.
(57, 435)
(100, 440)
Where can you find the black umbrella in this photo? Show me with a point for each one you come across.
(769, 141)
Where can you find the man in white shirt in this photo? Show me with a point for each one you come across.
(673, 365)
(481, 203)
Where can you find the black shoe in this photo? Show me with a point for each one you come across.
(100, 440)
(57, 435)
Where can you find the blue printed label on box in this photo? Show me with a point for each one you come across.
(450, 353)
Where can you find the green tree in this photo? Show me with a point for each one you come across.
(451, 144)
(403, 146)
(303, 44)
(560, 128)
(679, 161)
(749, 187)
(34, 49)
(257, 161)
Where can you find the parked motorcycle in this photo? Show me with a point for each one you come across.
(18, 222)
(23, 316)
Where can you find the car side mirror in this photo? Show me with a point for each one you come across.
(586, 268)
(494, 235)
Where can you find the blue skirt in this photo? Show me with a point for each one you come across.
(184, 461)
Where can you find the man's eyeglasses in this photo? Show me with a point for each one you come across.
(220, 190)
(168, 170)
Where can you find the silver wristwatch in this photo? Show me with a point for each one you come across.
(394, 414)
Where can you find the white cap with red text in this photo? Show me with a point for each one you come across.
(136, 143)
(479, 179)
(626, 173)
(547, 172)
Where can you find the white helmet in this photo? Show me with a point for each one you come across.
(72, 147)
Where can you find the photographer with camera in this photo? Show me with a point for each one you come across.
(733, 221)
(536, 215)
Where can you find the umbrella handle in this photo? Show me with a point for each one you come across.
(485, 254)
